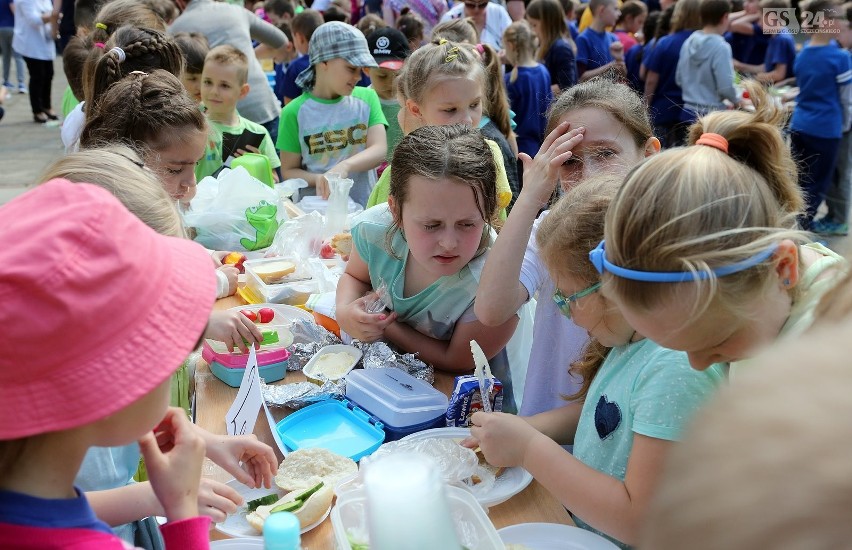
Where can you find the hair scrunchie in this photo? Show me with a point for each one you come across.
(101, 26)
(119, 53)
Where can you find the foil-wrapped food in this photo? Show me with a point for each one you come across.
(308, 339)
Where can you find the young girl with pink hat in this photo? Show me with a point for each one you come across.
(80, 314)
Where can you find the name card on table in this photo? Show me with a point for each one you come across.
(242, 415)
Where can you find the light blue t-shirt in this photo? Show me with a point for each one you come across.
(643, 389)
(434, 311)
(109, 468)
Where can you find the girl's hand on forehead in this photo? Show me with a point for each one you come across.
(542, 173)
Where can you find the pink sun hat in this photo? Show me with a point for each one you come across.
(98, 308)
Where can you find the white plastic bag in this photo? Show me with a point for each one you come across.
(235, 212)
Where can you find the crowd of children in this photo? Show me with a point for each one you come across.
(621, 181)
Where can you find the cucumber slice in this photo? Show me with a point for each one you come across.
(291, 506)
(262, 501)
(307, 493)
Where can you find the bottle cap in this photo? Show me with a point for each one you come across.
(281, 531)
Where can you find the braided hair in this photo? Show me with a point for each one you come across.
(129, 49)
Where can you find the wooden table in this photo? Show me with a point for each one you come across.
(213, 399)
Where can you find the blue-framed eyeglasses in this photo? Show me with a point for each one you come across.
(564, 302)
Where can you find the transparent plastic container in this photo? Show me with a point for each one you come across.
(473, 528)
(293, 289)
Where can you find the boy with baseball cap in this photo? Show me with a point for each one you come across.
(390, 49)
(334, 127)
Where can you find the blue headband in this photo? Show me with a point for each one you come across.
(598, 259)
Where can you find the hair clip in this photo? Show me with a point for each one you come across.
(101, 26)
(120, 53)
(442, 41)
(100, 45)
(598, 259)
(452, 54)
(140, 73)
(481, 49)
(713, 140)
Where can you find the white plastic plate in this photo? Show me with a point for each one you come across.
(236, 525)
(553, 536)
(511, 482)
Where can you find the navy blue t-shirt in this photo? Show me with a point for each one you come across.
(574, 30)
(820, 71)
(593, 48)
(781, 49)
(7, 18)
(289, 88)
(71, 513)
(529, 96)
(667, 104)
(749, 48)
(561, 64)
(633, 62)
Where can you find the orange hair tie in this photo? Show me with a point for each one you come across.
(713, 140)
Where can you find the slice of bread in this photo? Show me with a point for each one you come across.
(342, 243)
(272, 271)
(301, 466)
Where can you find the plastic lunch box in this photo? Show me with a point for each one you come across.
(334, 424)
(403, 403)
(474, 529)
(230, 367)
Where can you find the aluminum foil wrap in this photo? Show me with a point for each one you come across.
(308, 338)
(378, 355)
(298, 395)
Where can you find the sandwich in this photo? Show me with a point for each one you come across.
(272, 271)
(309, 505)
(342, 244)
(494, 470)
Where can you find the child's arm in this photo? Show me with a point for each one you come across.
(744, 25)
(369, 158)
(250, 461)
(291, 167)
(613, 506)
(500, 293)
(587, 74)
(173, 456)
(652, 79)
(723, 75)
(558, 424)
(265, 33)
(138, 500)
(454, 355)
(351, 299)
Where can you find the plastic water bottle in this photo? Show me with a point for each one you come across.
(281, 531)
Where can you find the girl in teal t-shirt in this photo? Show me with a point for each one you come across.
(634, 401)
(428, 245)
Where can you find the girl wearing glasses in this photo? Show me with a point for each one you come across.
(490, 19)
(684, 218)
(634, 400)
(597, 127)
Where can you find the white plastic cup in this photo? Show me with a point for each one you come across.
(407, 506)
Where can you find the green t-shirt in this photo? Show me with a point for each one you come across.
(390, 108)
(212, 159)
(68, 101)
(326, 131)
